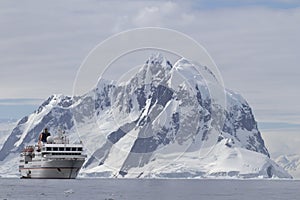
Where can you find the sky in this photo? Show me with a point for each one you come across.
(255, 44)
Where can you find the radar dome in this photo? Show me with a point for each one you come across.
(50, 140)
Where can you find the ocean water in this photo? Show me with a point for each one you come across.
(148, 189)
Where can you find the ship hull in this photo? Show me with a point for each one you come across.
(52, 169)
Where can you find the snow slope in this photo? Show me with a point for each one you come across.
(291, 163)
(6, 126)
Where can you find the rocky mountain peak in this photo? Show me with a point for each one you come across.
(165, 115)
(157, 59)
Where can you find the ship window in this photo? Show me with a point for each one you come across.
(68, 149)
(55, 149)
(61, 149)
(73, 149)
(48, 148)
(66, 154)
(80, 149)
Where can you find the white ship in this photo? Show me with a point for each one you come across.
(55, 159)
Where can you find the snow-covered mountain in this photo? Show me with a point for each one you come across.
(6, 126)
(291, 163)
(166, 121)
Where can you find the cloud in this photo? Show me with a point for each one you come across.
(217, 4)
(14, 102)
(156, 15)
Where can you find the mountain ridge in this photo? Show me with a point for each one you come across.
(291, 163)
(150, 126)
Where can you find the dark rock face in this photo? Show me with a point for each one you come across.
(115, 136)
(141, 98)
(241, 118)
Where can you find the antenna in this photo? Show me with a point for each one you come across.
(62, 135)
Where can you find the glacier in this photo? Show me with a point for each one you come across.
(167, 121)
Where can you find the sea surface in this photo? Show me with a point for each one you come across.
(149, 189)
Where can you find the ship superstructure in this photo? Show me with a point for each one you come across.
(55, 159)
